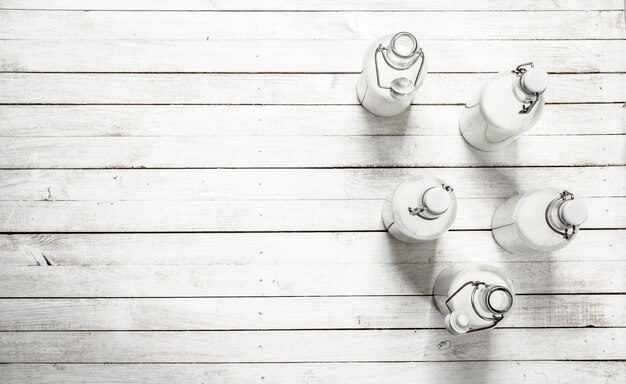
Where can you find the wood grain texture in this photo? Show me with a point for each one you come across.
(236, 216)
(277, 120)
(250, 106)
(341, 248)
(293, 279)
(28, 25)
(295, 184)
(312, 5)
(311, 346)
(531, 372)
(315, 151)
(389, 312)
(316, 56)
(43, 88)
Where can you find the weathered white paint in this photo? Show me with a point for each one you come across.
(347, 248)
(292, 279)
(273, 120)
(225, 287)
(530, 372)
(295, 152)
(235, 216)
(295, 184)
(27, 25)
(60, 88)
(316, 56)
(312, 346)
(292, 313)
(312, 5)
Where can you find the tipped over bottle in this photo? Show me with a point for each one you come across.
(393, 69)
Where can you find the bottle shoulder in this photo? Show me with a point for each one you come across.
(409, 195)
(500, 103)
(530, 220)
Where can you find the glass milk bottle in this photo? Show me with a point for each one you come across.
(472, 298)
(538, 221)
(508, 105)
(420, 209)
(393, 69)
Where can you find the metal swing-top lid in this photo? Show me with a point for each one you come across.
(400, 54)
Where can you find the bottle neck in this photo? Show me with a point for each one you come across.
(494, 300)
(402, 50)
(397, 60)
(520, 93)
(554, 216)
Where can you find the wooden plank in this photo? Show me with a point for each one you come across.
(389, 312)
(311, 5)
(42, 88)
(278, 120)
(294, 184)
(286, 248)
(311, 346)
(293, 279)
(294, 152)
(531, 372)
(317, 56)
(249, 215)
(29, 25)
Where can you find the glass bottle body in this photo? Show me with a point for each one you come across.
(520, 225)
(419, 209)
(481, 293)
(393, 69)
(493, 119)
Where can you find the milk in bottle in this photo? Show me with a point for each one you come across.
(393, 69)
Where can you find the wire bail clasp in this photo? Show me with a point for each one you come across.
(400, 88)
(563, 197)
(498, 314)
(519, 71)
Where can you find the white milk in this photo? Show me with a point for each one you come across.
(393, 69)
(508, 105)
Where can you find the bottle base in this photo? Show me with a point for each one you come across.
(473, 128)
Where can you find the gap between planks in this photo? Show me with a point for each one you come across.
(292, 279)
(272, 89)
(310, 25)
(530, 372)
(315, 120)
(293, 313)
(319, 346)
(340, 248)
(313, 5)
(310, 56)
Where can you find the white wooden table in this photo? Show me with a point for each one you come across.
(189, 192)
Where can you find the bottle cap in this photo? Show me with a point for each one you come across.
(457, 322)
(573, 212)
(535, 80)
(436, 201)
(402, 88)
